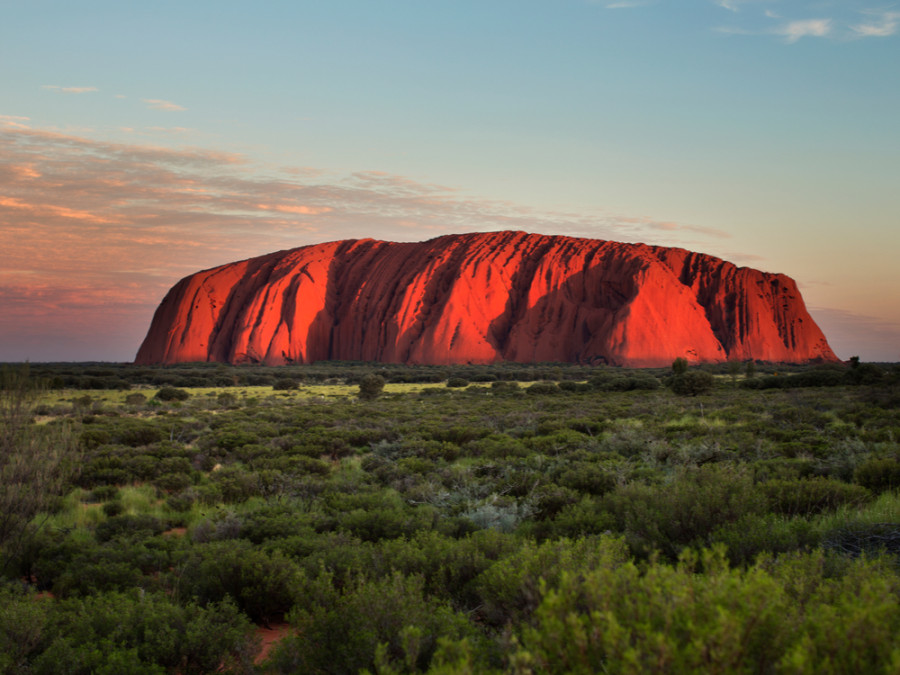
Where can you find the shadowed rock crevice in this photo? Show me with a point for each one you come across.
(481, 298)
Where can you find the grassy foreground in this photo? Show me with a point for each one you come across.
(593, 521)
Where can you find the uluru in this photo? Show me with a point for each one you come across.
(483, 298)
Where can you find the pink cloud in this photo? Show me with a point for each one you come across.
(94, 233)
(70, 90)
(159, 104)
(301, 210)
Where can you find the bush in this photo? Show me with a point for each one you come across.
(692, 383)
(809, 496)
(878, 475)
(128, 525)
(263, 585)
(103, 493)
(457, 382)
(113, 508)
(370, 386)
(172, 394)
(135, 399)
(543, 388)
(127, 633)
(686, 511)
(391, 618)
(773, 617)
(284, 384)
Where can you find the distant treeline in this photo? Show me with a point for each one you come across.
(126, 376)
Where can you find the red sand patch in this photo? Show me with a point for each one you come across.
(175, 532)
(270, 637)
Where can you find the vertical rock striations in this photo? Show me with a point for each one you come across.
(481, 298)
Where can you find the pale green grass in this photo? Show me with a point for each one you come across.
(885, 509)
(74, 514)
(208, 396)
(687, 421)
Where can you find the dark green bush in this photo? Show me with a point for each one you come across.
(878, 475)
(686, 511)
(344, 637)
(543, 388)
(510, 589)
(692, 383)
(284, 384)
(172, 394)
(103, 493)
(703, 616)
(755, 534)
(808, 496)
(135, 399)
(370, 386)
(113, 508)
(128, 525)
(131, 633)
(263, 585)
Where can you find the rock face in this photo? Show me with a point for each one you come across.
(481, 298)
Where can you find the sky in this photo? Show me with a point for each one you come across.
(141, 142)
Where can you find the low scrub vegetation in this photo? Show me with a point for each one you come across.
(505, 519)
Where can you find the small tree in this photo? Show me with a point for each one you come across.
(370, 386)
(680, 366)
(751, 368)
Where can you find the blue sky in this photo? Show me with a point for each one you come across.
(139, 143)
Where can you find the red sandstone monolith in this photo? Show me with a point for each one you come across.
(482, 298)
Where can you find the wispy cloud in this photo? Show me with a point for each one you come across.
(841, 23)
(668, 226)
(69, 90)
(625, 4)
(794, 30)
(159, 104)
(122, 222)
(735, 5)
(884, 25)
(14, 121)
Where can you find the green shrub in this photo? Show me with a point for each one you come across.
(284, 384)
(754, 534)
(543, 388)
(103, 493)
(686, 511)
(172, 394)
(510, 589)
(263, 585)
(131, 633)
(370, 386)
(172, 482)
(692, 383)
(113, 508)
(135, 399)
(391, 618)
(23, 620)
(808, 496)
(878, 475)
(129, 525)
